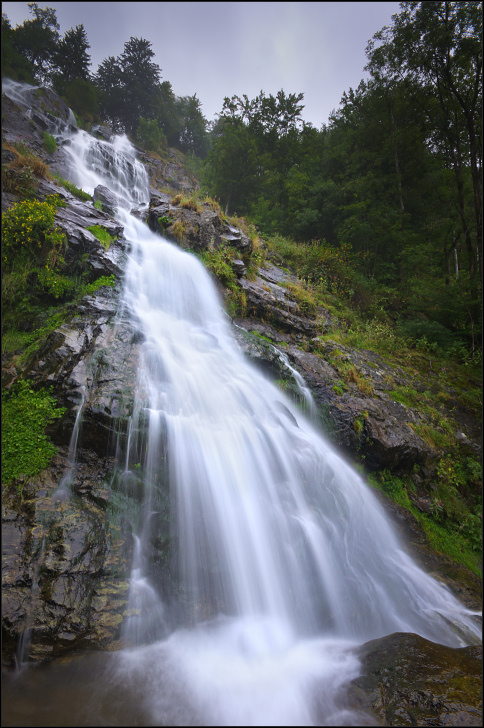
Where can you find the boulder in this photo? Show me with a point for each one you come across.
(408, 681)
(107, 198)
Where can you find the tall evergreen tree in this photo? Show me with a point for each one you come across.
(71, 57)
(129, 85)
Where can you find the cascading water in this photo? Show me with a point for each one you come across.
(283, 557)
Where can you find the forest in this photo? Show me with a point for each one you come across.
(381, 206)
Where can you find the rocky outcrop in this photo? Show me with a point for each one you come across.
(169, 173)
(65, 563)
(196, 229)
(408, 681)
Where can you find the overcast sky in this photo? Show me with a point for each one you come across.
(218, 49)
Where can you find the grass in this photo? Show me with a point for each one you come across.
(71, 187)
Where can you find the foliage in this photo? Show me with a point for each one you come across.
(36, 40)
(128, 85)
(28, 227)
(150, 136)
(76, 191)
(82, 97)
(179, 230)
(90, 288)
(219, 261)
(26, 449)
(461, 544)
(14, 64)
(102, 235)
(50, 144)
(71, 58)
(19, 176)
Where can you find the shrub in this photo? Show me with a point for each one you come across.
(102, 235)
(150, 136)
(50, 144)
(26, 449)
(179, 230)
(28, 227)
(219, 261)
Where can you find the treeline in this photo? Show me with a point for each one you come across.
(127, 92)
(392, 182)
(390, 189)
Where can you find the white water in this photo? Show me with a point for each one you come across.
(285, 559)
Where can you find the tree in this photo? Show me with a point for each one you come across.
(139, 78)
(193, 126)
(37, 40)
(129, 85)
(111, 98)
(230, 168)
(14, 65)
(71, 57)
(437, 47)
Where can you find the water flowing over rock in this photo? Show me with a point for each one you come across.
(199, 524)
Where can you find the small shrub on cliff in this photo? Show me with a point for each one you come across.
(26, 449)
(28, 228)
(102, 235)
(220, 263)
(19, 176)
(179, 230)
(50, 144)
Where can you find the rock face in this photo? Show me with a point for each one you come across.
(65, 564)
(408, 681)
(168, 173)
(197, 230)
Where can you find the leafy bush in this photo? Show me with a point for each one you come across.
(28, 227)
(428, 335)
(219, 261)
(26, 449)
(102, 235)
(50, 144)
(150, 136)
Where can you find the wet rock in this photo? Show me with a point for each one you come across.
(408, 681)
(237, 239)
(168, 173)
(239, 268)
(66, 564)
(102, 131)
(107, 198)
(273, 303)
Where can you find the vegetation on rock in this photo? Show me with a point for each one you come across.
(26, 449)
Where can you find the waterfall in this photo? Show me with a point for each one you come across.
(283, 558)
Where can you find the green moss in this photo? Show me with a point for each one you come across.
(26, 449)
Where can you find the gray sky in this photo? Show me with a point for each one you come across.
(218, 49)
